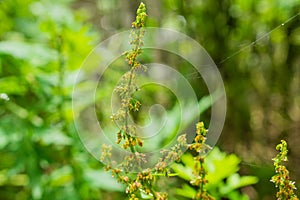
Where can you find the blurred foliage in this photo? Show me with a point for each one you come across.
(43, 43)
(222, 175)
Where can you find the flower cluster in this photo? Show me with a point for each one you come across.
(144, 183)
(199, 171)
(134, 162)
(281, 179)
(140, 17)
(106, 155)
(127, 134)
(171, 155)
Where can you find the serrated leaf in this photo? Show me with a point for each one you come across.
(236, 181)
(215, 162)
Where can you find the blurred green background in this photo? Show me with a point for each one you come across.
(255, 44)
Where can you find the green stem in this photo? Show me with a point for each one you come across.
(132, 149)
(136, 47)
(61, 71)
(202, 175)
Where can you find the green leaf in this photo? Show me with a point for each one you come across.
(185, 173)
(103, 180)
(145, 196)
(235, 181)
(186, 191)
(204, 103)
(12, 85)
(52, 136)
(4, 139)
(236, 195)
(35, 54)
(187, 159)
(37, 191)
(61, 176)
(57, 13)
(215, 162)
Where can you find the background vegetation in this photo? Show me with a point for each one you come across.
(43, 43)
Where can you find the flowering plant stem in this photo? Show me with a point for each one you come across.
(143, 183)
(281, 179)
(126, 88)
(199, 170)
